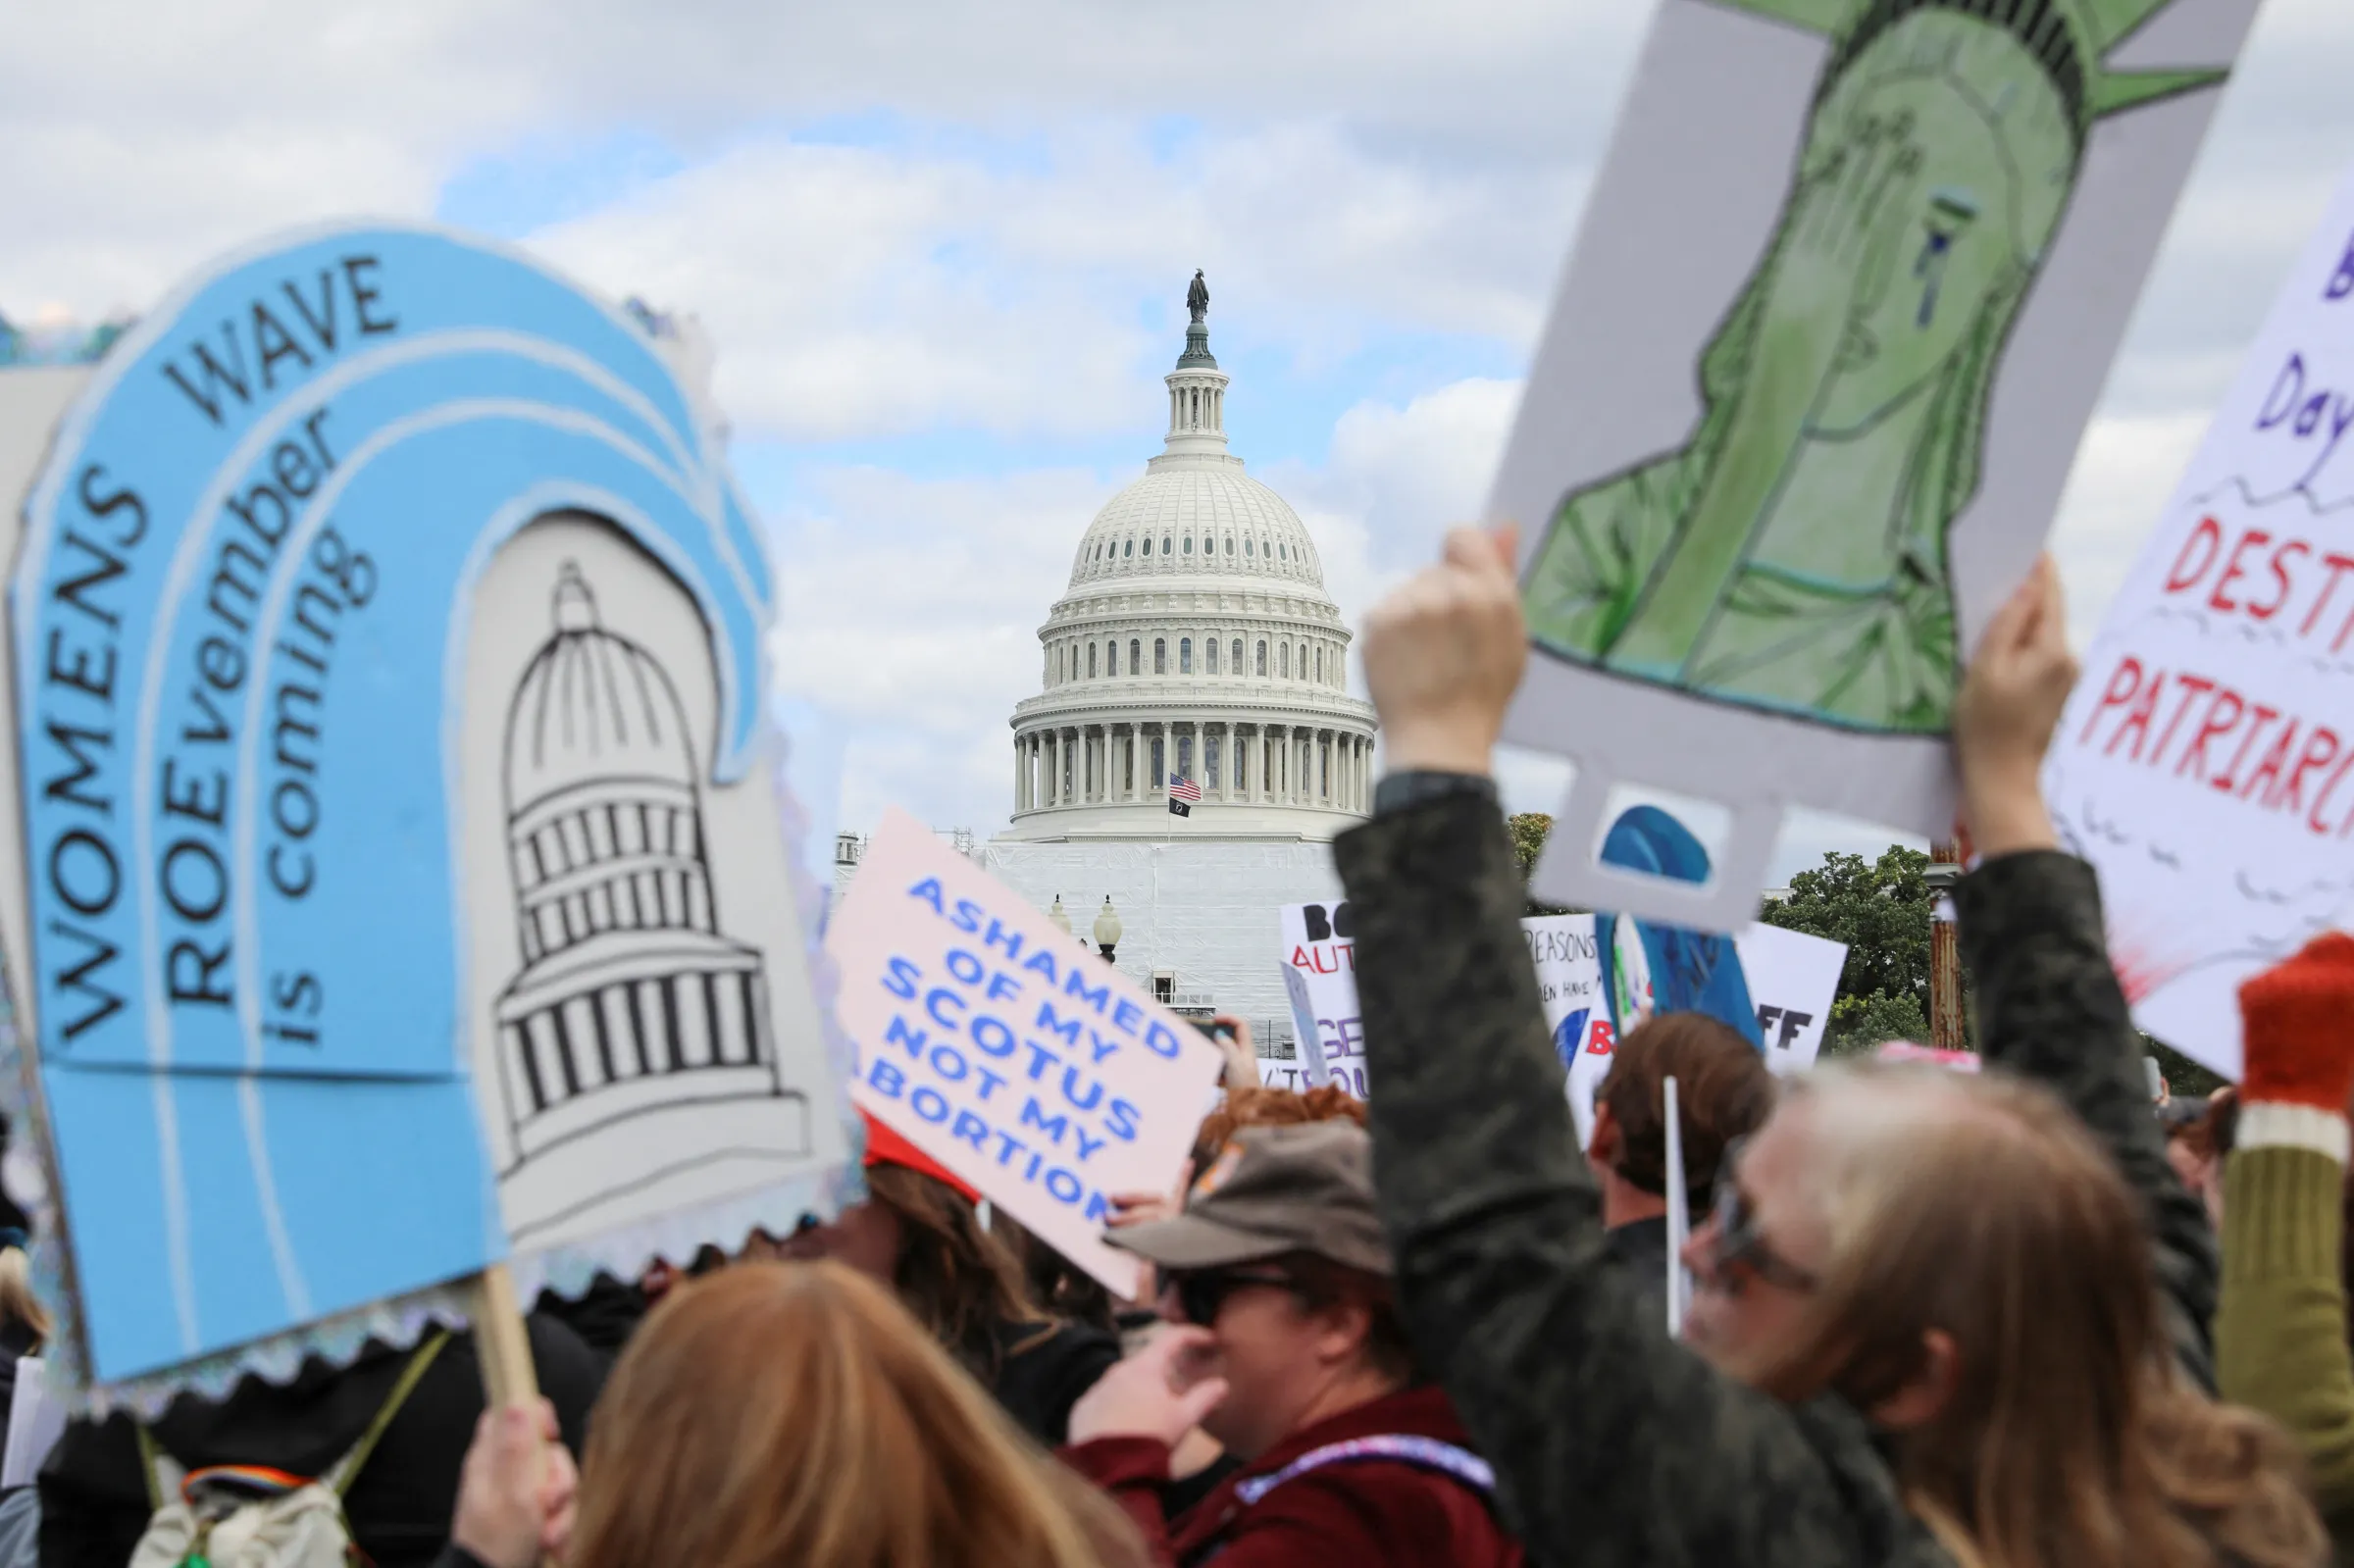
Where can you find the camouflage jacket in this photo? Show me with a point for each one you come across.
(1613, 1445)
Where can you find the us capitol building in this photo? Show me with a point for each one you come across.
(1195, 641)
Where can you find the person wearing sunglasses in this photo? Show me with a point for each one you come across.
(1939, 1318)
(1282, 1340)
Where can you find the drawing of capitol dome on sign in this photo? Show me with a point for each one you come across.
(631, 1004)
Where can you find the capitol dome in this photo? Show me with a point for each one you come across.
(1197, 514)
(1196, 643)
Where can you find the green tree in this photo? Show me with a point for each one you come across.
(1529, 831)
(1880, 909)
(1860, 1023)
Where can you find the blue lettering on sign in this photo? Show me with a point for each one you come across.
(240, 610)
(2341, 281)
(1053, 1128)
(2306, 413)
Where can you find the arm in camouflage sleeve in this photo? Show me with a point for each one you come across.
(2050, 1008)
(1612, 1445)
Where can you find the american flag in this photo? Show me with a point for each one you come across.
(1183, 795)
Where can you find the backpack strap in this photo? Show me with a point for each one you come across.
(1423, 1454)
(346, 1470)
(152, 1460)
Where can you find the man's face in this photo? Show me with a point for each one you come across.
(1752, 1288)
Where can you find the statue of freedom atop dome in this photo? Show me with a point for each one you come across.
(1791, 555)
(1197, 298)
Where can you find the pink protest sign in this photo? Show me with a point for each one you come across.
(1007, 1050)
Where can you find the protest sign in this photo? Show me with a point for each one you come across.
(1319, 958)
(402, 880)
(2206, 760)
(1007, 1051)
(1789, 978)
(1568, 964)
(1843, 295)
(1295, 1076)
(1793, 979)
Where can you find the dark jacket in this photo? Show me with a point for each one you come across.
(1041, 1369)
(1355, 1513)
(94, 1501)
(1640, 1247)
(1614, 1445)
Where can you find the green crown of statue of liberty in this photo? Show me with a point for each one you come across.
(1791, 554)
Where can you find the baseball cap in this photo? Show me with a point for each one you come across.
(1272, 1191)
(885, 1147)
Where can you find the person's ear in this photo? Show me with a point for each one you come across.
(1342, 1329)
(1607, 1142)
(1920, 1396)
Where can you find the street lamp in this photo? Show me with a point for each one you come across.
(1107, 929)
(1057, 916)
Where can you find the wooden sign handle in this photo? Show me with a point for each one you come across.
(499, 1340)
(501, 1344)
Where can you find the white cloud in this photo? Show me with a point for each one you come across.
(860, 292)
(1348, 173)
(2126, 472)
(909, 608)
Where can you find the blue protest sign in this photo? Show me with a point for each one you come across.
(352, 786)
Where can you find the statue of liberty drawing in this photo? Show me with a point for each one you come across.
(1791, 554)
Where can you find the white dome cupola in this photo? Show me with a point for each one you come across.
(1195, 641)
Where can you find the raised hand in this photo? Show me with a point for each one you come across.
(2003, 716)
(1240, 1051)
(1444, 654)
(1152, 1393)
(517, 1491)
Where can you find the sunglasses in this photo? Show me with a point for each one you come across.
(1740, 1240)
(1202, 1292)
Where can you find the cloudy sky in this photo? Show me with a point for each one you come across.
(941, 249)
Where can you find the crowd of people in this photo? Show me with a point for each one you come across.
(2018, 1318)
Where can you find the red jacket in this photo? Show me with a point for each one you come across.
(1359, 1512)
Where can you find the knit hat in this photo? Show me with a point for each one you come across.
(2298, 1028)
(885, 1147)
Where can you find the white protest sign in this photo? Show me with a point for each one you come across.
(1843, 294)
(2206, 760)
(1319, 961)
(1793, 978)
(1007, 1051)
(1569, 979)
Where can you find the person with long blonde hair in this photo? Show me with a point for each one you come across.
(1939, 1318)
(795, 1413)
